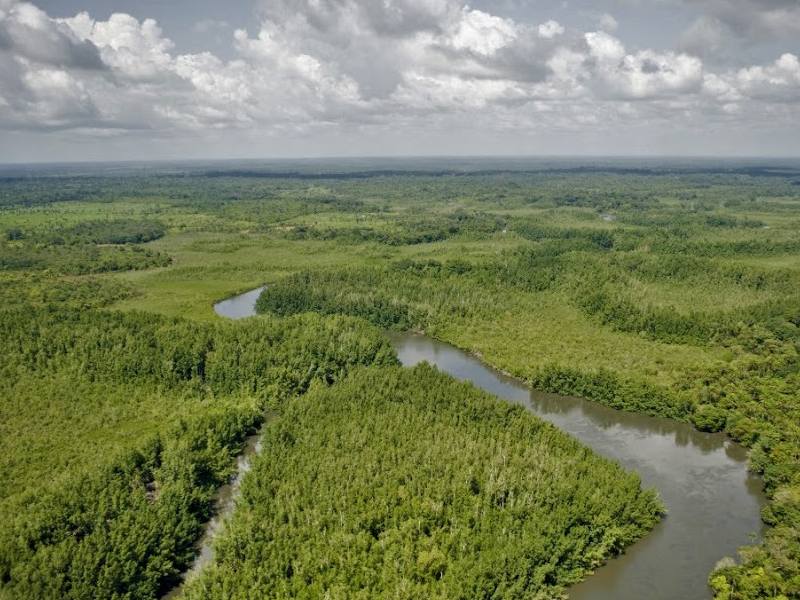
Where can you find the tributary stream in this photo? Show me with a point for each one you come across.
(712, 501)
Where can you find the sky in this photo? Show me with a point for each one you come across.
(151, 80)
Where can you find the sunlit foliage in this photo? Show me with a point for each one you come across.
(407, 484)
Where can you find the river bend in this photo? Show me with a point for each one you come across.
(713, 503)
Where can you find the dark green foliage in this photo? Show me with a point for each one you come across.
(407, 231)
(241, 356)
(14, 234)
(586, 238)
(114, 231)
(88, 247)
(176, 398)
(767, 571)
(300, 294)
(83, 292)
(408, 484)
(125, 530)
(77, 260)
(709, 418)
(664, 324)
(612, 390)
(599, 288)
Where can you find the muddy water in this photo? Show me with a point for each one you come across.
(224, 501)
(713, 503)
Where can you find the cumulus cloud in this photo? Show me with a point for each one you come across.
(352, 64)
(550, 29)
(482, 33)
(723, 24)
(778, 81)
(33, 35)
(608, 23)
(644, 74)
(134, 50)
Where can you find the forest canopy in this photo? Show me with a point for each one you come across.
(407, 484)
(118, 428)
(660, 287)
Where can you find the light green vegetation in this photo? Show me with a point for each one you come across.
(407, 484)
(669, 290)
(209, 267)
(115, 430)
(552, 330)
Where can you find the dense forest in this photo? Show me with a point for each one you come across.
(117, 429)
(668, 289)
(407, 484)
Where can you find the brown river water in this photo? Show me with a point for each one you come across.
(712, 502)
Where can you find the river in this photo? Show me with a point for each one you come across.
(712, 502)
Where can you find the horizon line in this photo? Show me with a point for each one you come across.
(324, 158)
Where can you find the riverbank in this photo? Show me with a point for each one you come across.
(712, 501)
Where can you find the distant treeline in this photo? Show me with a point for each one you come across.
(333, 174)
(589, 170)
(88, 247)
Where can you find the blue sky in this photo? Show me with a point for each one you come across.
(117, 79)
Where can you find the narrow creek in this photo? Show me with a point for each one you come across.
(223, 504)
(713, 503)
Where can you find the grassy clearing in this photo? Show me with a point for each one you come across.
(208, 267)
(528, 330)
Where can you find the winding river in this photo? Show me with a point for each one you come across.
(713, 503)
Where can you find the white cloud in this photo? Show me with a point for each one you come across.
(482, 33)
(604, 46)
(425, 93)
(608, 23)
(550, 29)
(135, 50)
(644, 74)
(59, 98)
(778, 81)
(354, 64)
(34, 36)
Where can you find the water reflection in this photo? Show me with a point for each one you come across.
(238, 307)
(223, 504)
(713, 503)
